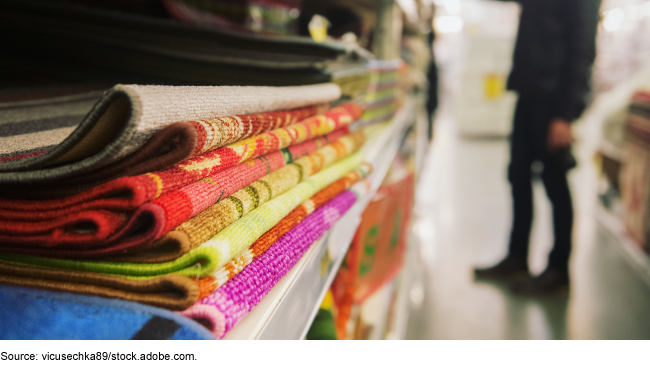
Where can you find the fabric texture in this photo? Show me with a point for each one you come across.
(115, 231)
(29, 314)
(171, 291)
(235, 299)
(217, 217)
(287, 223)
(174, 143)
(127, 116)
(130, 192)
(224, 246)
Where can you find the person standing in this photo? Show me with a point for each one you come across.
(552, 61)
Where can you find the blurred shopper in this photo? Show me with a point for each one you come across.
(432, 77)
(553, 56)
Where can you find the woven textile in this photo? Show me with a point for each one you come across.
(144, 188)
(287, 223)
(237, 237)
(117, 231)
(228, 243)
(235, 299)
(129, 115)
(29, 314)
(172, 291)
(212, 220)
(174, 143)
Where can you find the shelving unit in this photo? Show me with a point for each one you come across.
(289, 308)
(638, 259)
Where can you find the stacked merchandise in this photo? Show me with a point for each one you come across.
(93, 41)
(635, 170)
(206, 226)
(381, 97)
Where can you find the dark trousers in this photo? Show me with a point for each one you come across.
(529, 144)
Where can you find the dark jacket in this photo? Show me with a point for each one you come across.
(555, 49)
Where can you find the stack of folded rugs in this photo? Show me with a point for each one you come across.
(195, 199)
(380, 98)
(98, 40)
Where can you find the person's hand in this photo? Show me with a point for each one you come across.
(559, 134)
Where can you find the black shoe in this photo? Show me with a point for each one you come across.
(551, 281)
(508, 269)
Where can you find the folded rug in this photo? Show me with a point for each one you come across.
(171, 291)
(380, 100)
(237, 297)
(196, 231)
(174, 143)
(287, 223)
(111, 232)
(223, 247)
(127, 116)
(130, 192)
(79, 40)
(29, 314)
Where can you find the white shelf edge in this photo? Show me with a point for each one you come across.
(401, 122)
(265, 321)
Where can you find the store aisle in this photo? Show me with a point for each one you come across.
(462, 220)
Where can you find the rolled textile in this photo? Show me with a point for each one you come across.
(210, 256)
(174, 143)
(287, 223)
(100, 228)
(29, 314)
(237, 297)
(129, 192)
(128, 115)
(172, 291)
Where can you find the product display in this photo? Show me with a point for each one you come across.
(381, 95)
(160, 50)
(127, 116)
(153, 219)
(285, 225)
(243, 292)
(168, 165)
(221, 248)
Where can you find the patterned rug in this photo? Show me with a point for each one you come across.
(221, 248)
(174, 143)
(124, 119)
(128, 193)
(237, 297)
(107, 229)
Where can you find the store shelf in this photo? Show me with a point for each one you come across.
(638, 259)
(289, 308)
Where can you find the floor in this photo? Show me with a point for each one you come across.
(462, 219)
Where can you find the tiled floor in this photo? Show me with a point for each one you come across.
(462, 220)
